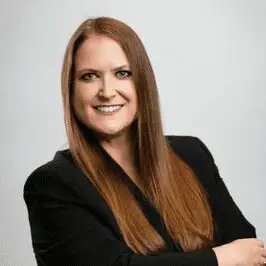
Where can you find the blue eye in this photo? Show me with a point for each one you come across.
(124, 73)
(121, 74)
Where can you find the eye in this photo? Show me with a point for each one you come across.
(87, 76)
(124, 73)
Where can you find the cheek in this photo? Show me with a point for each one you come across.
(84, 95)
(134, 98)
(81, 100)
(129, 92)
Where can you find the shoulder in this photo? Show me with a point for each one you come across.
(54, 178)
(195, 153)
(189, 147)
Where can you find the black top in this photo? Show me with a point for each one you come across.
(71, 224)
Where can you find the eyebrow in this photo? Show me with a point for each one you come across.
(80, 71)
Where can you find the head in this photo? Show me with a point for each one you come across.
(107, 81)
(104, 95)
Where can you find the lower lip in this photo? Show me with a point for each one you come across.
(109, 113)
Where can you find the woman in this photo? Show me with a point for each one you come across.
(123, 193)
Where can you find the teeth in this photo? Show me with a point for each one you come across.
(109, 108)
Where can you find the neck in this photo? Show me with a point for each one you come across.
(121, 147)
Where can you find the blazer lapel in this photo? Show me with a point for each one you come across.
(148, 208)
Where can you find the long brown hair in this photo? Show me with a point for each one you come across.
(165, 179)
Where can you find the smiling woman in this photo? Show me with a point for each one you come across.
(99, 63)
(123, 193)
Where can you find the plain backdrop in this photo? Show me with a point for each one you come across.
(209, 58)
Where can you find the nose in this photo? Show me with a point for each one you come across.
(107, 89)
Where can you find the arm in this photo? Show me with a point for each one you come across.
(64, 232)
(234, 224)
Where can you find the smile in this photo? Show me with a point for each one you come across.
(109, 109)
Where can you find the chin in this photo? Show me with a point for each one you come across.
(109, 132)
(112, 132)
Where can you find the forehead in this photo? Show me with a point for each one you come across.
(100, 52)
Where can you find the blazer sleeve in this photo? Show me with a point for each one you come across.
(234, 224)
(65, 232)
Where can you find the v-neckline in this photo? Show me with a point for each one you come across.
(118, 168)
(149, 210)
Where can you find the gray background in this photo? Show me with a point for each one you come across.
(209, 58)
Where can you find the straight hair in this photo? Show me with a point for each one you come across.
(166, 180)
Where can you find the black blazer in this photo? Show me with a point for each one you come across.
(71, 224)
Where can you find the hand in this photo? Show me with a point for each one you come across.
(241, 252)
